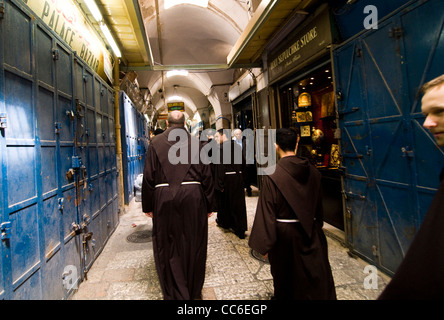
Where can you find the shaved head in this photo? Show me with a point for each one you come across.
(176, 119)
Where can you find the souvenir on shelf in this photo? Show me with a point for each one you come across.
(305, 131)
(304, 100)
(334, 156)
(301, 116)
(318, 136)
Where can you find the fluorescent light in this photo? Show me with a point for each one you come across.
(110, 39)
(175, 98)
(171, 3)
(92, 6)
(173, 73)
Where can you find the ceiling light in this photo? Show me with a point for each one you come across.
(173, 73)
(171, 3)
(175, 98)
(92, 6)
(110, 39)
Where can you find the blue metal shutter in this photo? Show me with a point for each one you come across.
(392, 163)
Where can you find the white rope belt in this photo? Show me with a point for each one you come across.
(289, 220)
(232, 172)
(183, 183)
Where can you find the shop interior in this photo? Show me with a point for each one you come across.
(308, 104)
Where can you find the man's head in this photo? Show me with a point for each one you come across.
(220, 136)
(433, 108)
(238, 134)
(286, 139)
(176, 119)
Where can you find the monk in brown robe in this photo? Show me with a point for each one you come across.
(178, 193)
(288, 226)
(229, 178)
(421, 272)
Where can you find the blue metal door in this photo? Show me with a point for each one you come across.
(392, 163)
(95, 146)
(134, 141)
(46, 184)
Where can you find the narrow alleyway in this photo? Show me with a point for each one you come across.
(125, 270)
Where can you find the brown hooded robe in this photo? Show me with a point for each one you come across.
(229, 180)
(421, 272)
(180, 216)
(297, 251)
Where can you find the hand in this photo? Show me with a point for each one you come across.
(149, 214)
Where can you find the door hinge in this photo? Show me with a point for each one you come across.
(5, 229)
(396, 33)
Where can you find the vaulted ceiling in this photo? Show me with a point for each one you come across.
(210, 42)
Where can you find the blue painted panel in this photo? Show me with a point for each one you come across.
(45, 67)
(19, 51)
(64, 72)
(99, 130)
(49, 178)
(52, 106)
(19, 106)
(134, 138)
(89, 90)
(350, 18)
(97, 95)
(24, 244)
(45, 115)
(388, 155)
(21, 167)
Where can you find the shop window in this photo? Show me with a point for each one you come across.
(312, 108)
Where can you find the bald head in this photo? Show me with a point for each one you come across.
(176, 119)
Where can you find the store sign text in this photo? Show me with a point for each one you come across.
(294, 48)
(65, 19)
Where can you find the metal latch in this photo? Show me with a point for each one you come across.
(406, 152)
(55, 54)
(57, 126)
(61, 203)
(5, 228)
(76, 162)
(3, 121)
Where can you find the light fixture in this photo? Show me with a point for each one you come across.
(175, 98)
(171, 3)
(110, 39)
(92, 6)
(173, 73)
